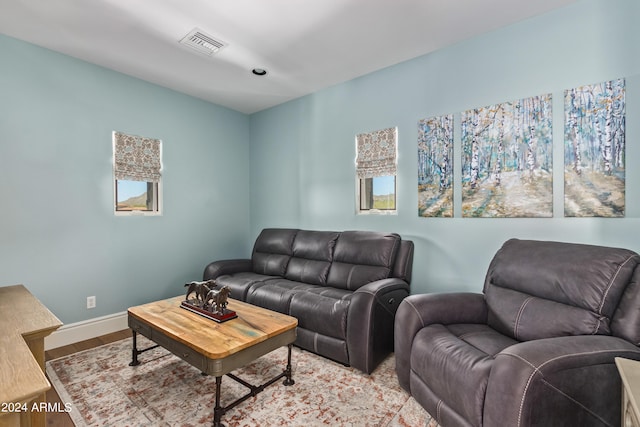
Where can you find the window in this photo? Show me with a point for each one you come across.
(139, 196)
(378, 193)
(376, 168)
(137, 171)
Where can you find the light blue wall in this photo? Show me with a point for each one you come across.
(58, 233)
(302, 152)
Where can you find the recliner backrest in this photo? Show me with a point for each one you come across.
(273, 250)
(347, 260)
(403, 265)
(312, 256)
(361, 257)
(537, 289)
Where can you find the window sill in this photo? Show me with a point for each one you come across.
(137, 213)
(378, 212)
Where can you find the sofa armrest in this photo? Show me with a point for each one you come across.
(535, 382)
(383, 291)
(370, 321)
(230, 266)
(418, 311)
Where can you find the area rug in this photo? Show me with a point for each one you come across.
(103, 390)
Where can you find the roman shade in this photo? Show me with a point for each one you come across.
(136, 158)
(376, 153)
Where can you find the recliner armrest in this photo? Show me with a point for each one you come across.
(371, 319)
(230, 266)
(449, 308)
(420, 310)
(530, 377)
(382, 288)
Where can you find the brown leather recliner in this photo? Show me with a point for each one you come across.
(536, 348)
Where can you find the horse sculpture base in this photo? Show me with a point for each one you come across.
(215, 316)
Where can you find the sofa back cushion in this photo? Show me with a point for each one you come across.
(536, 289)
(273, 250)
(361, 257)
(312, 255)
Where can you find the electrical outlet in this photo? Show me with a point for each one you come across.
(91, 302)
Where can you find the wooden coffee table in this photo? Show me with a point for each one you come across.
(215, 348)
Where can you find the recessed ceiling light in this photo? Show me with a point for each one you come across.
(259, 71)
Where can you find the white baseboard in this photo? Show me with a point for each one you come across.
(87, 329)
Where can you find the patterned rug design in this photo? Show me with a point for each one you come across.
(165, 391)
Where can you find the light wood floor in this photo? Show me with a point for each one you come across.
(62, 419)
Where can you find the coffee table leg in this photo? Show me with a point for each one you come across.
(218, 411)
(134, 352)
(287, 372)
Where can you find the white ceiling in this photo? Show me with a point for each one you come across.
(305, 45)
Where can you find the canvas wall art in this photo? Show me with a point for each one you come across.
(435, 167)
(507, 159)
(594, 150)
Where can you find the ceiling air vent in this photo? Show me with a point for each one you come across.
(201, 42)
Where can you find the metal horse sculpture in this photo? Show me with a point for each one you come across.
(201, 290)
(218, 299)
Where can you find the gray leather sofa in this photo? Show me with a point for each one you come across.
(343, 287)
(536, 348)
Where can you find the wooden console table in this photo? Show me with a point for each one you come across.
(24, 323)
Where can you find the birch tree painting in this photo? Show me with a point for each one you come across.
(594, 150)
(507, 159)
(435, 172)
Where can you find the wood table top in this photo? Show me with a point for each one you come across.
(22, 317)
(214, 340)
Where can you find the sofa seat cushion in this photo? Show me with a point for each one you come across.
(240, 283)
(323, 310)
(454, 363)
(276, 293)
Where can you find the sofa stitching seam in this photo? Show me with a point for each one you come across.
(573, 400)
(438, 409)
(349, 276)
(606, 292)
(526, 387)
(396, 246)
(415, 309)
(578, 354)
(464, 337)
(536, 370)
(519, 316)
(472, 334)
(304, 268)
(582, 353)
